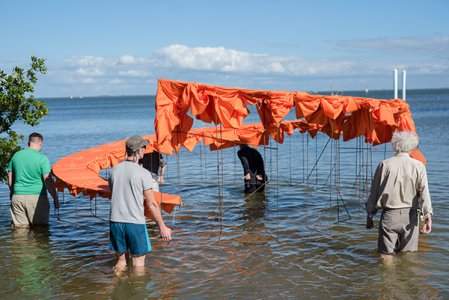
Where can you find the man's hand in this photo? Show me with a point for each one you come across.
(165, 233)
(369, 222)
(259, 177)
(247, 176)
(427, 228)
(49, 183)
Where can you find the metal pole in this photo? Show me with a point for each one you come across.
(395, 83)
(404, 83)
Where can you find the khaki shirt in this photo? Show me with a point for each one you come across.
(400, 182)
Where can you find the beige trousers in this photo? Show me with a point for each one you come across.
(29, 210)
(398, 230)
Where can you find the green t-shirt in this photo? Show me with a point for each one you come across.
(28, 167)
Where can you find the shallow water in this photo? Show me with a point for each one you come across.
(295, 241)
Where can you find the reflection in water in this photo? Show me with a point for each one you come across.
(406, 277)
(31, 261)
(141, 285)
(255, 206)
(162, 279)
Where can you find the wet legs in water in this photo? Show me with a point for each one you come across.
(138, 264)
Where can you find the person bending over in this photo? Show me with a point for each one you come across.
(253, 169)
(154, 162)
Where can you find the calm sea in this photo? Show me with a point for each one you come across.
(301, 239)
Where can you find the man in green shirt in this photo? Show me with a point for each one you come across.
(28, 181)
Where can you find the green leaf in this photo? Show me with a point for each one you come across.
(17, 103)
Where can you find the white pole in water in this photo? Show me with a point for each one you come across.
(395, 83)
(404, 83)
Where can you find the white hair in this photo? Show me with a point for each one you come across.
(404, 141)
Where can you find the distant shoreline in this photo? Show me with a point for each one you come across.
(347, 92)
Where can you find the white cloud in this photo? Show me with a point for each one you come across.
(127, 60)
(131, 60)
(87, 61)
(134, 73)
(95, 72)
(88, 80)
(116, 81)
(224, 66)
(214, 59)
(220, 59)
(428, 68)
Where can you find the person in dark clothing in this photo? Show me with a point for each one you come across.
(253, 169)
(154, 162)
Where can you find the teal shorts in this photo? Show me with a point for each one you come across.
(131, 238)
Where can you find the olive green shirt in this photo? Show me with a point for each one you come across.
(28, 167)
(400, 182)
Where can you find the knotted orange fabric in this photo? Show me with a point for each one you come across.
(177, 102)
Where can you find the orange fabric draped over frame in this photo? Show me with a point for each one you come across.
(177, 103)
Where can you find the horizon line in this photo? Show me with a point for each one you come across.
(308, 91)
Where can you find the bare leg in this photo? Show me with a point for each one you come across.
(139, 264)
(120, 265)
(387, 259)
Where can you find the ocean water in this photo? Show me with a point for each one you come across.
(304, 238)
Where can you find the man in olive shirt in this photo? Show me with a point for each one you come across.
(400, 188)
(28, 178)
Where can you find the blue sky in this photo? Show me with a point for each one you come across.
(123, 47)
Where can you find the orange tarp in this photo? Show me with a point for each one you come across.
(177, 103)
(79, 172)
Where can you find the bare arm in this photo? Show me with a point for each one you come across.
(10, 184)
(51, 189)
(151, 203)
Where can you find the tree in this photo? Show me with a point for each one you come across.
(17, 103)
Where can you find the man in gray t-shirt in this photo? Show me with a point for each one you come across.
(132, 189)
(128, 181)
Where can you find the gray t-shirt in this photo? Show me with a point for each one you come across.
(128, 181)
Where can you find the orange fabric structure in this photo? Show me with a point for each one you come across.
(79, 172)
(177, 103)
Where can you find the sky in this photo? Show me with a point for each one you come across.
(123, 47)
